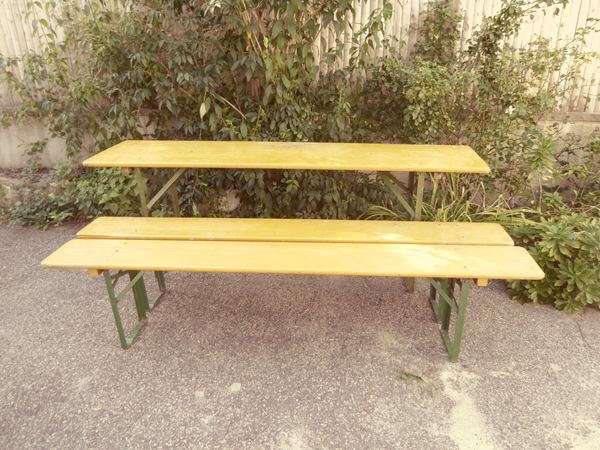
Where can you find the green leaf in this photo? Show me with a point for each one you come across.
(276, 29)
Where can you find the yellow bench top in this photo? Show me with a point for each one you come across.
(296, 230)
(407, 260)
(291, 155)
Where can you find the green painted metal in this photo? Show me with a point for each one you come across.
(174, 196)
(141, 184)
(419, 197)
(172, 180)
(432, 296)
(460, 320)
(137, 287)
(411, 182)
(444, 289)
(415, 213)
(391, 182)
(114, 303)
(445, 305)
(139, 294)
(160, 279)
(148, 204)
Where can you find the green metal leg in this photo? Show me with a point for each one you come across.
(147, 203)
(114, 303)
(433, 296)
(460, 320)
(444, 289)
(443, 305)
(139, 294)
(419, 196)
(174, 196)
(160, 279)
(141, 184)
(417, 216)
(137, 287)
(169, 185)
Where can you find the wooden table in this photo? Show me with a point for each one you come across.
(177, 156)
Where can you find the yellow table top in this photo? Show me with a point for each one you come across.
(291, 155)
(409, 260)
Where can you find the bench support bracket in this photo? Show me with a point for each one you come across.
(444, 305)
(137, 287)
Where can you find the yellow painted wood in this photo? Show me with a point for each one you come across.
(294, 230)
(291, 155)
(481, 282)
(410, 260)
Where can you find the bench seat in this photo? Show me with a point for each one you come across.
(405, 260)
(296, 230)
(444, 253)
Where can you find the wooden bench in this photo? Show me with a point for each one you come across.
(374, 248)
(447, 254)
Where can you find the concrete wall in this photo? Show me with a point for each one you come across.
(13, 142)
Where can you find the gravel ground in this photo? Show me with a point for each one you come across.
(243, 361)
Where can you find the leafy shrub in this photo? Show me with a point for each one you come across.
(65, 193)
(489, 95)
(191, 70)
(577, 176)
(280, 193)
(104, 191)
(229, 70)
(568, 251)
(311, 194)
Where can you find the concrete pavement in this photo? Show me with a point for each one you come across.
(238, 361)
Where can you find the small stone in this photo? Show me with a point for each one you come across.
(235, 387)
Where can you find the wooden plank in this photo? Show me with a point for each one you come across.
(291, 155)
(294, 230)
(455, 261)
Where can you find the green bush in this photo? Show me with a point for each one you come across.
(191, 70)
(230, 70)
(488, 95)
(65, 193)
(568, 251)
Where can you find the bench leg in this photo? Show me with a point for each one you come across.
(139, 294)
(444, 306)
(160, 279)
(136, 280)
(138, 289)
